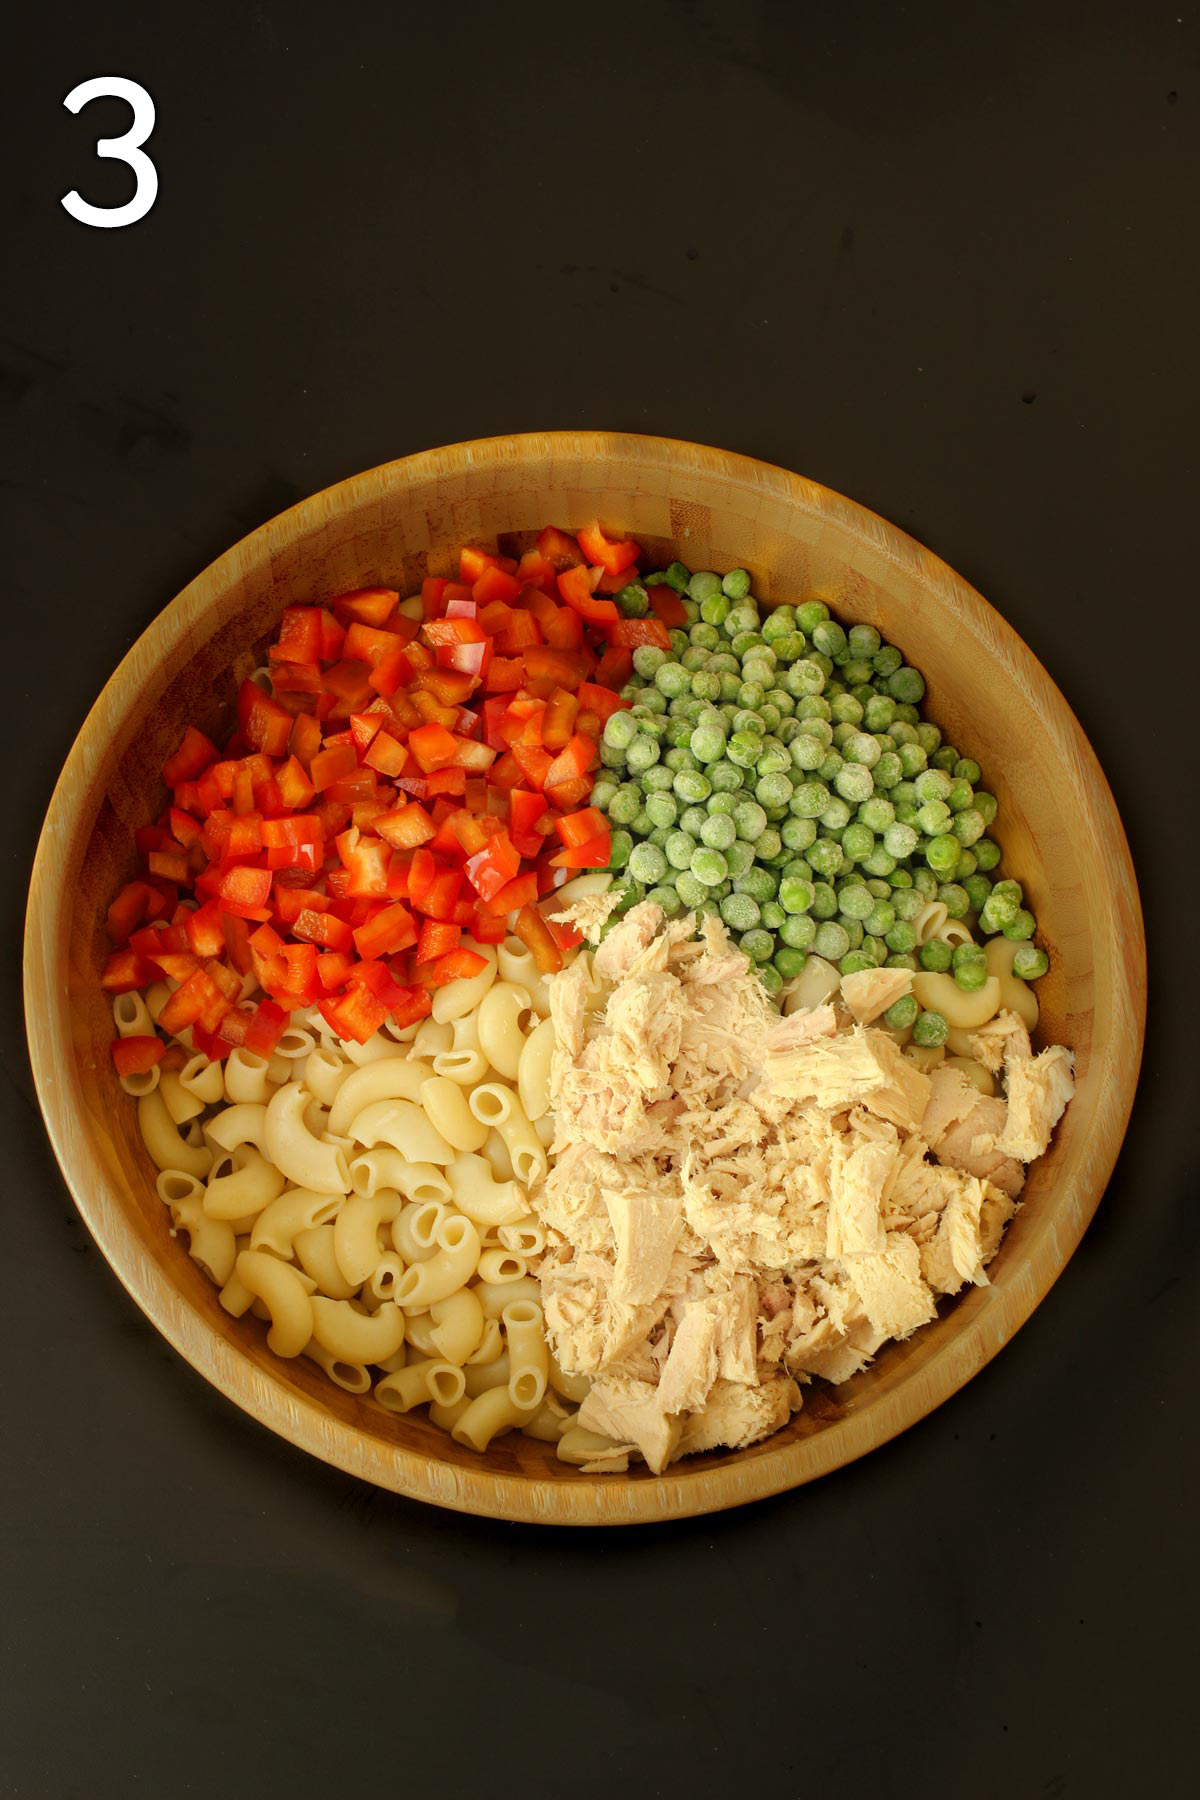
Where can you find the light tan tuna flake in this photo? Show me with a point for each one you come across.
(739, 1198)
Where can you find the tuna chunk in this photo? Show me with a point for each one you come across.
(964, 1126)
(737, 1415)
(626, 942)
(1038, 1090)
(870, 992)
(857, 1068)
(627, 1409)
(956, 1253)
(1002, 1037)
(890, 1285)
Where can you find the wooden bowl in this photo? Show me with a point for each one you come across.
(1058, 824)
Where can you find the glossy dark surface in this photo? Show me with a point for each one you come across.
(940, 258)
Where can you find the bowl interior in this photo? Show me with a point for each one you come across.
(1058, 828)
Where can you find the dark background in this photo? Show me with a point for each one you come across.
(942, 257)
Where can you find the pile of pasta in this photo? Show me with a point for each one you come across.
(370, 1202)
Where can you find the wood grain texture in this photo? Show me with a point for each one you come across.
(1058, 826)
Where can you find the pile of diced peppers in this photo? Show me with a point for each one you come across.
(414, 775)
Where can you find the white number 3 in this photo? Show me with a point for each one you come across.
(125, 149)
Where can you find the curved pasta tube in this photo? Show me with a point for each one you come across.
(481, 1377)
(1015, 995)
(380, 1284)
(384, 1167)
(457, 1325)
(955, 932)
(464, 1062)
(528, 1358)
(926, 1056)
(526, 1236)
(178, 1100)
(499, 1108)
(491, 1344)
(304, 1159)
(132, 1017)
(324, 1073)
(817, 982)
(250, 1185)
(480, 1197)
(448, 1269)
(246, 1076)
(575, 1388)
(930, 920)
(498, 1265)
(390, 1077)
(464, 995)
(549, 1423)
(447, 1417)
(397, 1360)
(300, 1209)
(283, 1292)
(516, 963)
(211, 1244)
(941, 993)
(356, 1232)
(156, 997)
(165, 1146)
(141, 1081)
(581, 1446)
(404, 1126)
(354, 1377)
(580, 887)
(972, 1071)
(237, 1125)
(501, 1034)
(432, 1037)
(380, 1048)
(415, 1228)
(446, 1108)
(173, 1187)
(354, 1336)
(314, 1248)
(418, 1382)
(294, 1043)
(418, 1332)
(495, 1153)
(487, 1417)
(533, 1071)
(494, 1296)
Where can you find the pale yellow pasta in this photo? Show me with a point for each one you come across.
(580, 887)
(491, 1343)
(539, 992)
(242, 1184)
(572, 1387)
(400, 1034)
(382, 1167)
(503, 1021)
(165, 1145)
(418, 1332)
(324, 1073)
(498, 1107)
(487, 1417)
(533, 1071)
(527, 1236)
(1015, 995)
(233, 1126)
(246, 1076)
(173, 1186)
(295, 1042)
(482, 1377)
(495, 1153)
(448, 1269)
(972, 1071)
(464, 995)
(380, 1048)
(494, 1296)
(280, 1070)
(235, 1296)
(941, 993)
(354, 1377)
(211, 1244)
(817, 982)
(543, 1130)
(929, 921)
(131, 1016)
(412, 608)
(380, 1284)
(497, 1265)
(419, 1382)
(403, 1126)
(391, 1077)
(955, 932)
(445, 1106)
(315, 1119)
(447, 1417)
(415, 1228)
(457, 1325)
(355, 1336)
(178, 1100)
(926, 1056)
(397, 1360)
(314, 1248)
(464, 1062)
(479, 1196)
(432, 1037)
(284, 1291)
(156, 997)
(581, 1446)
(277, 1226)
(527, 1354)
(356, 1232)
(304, 1159)
(140, 1081)
(205, 1079)
(516, 963)
(549, 1422)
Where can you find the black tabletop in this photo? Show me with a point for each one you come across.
(941, 257)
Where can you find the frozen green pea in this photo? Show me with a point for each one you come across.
(620, 729)
(1030, 963)
(798, 834)
(759, 883)
(740, 857)
(978, 888)
(936, 955)
(962, 954)
(926, 883)
(941, 853)
(858, 841)
(860, 748)
(725, 777)
(804, 679)
(708, 743)
(844, 709)
(798, 931)
(887, 771)
(642, 753)
(906, 813)
(706, 686)
(970, 976)
(828, 637)
(928, 736)
(901, 937)
(966, 861)
(999, 911)
(647, 658)
(879, 712)
(736, 585)
(856, 962)
(693, 788)
(932, 784)
(913, 760)
(676, 575)
(770, 717)
(773, 790)
(659, 835)
(705, 637)
(778, 623)
(643, 825)
(929, 1031)
(678, 850)
(902, 1013)
(987, 853)
(768, 845)
(633, 601)
(714, 612)
(620, 846)
(602, 792)
(968, 827)
(770, 978)
(647, 863)
(933, 817)
(773, 760)
(855, 901)
(678, 641)
(907, 685)
(759, 945)
(899, 878)
(662, 809)
(658, 779)
(709, 866)
(740, 912)
(691, 819)
(854, 783)
(780, 701)
(692, 892)
(611, 759)
(864, 641)
(880, 920)
(829, 768)
(704, 585)
(672, 680)
(810, 614)
(944, 758)
(790, 647)
(807, 752)
(651, 701)
(719, 802)
(795, 895)
(825, 857)
(901, 959)
(857, 676)
(879, 862)
(825, 902)
(667, 899)
(955, 898)
(986, 805)
(789, 961)
(886, 660)
(773, 915)
(741, 618)
(832, 941)
(750, 819)
(718, 831)
(1021, 926)
(625, 804)
(744, 749)
(876, 813)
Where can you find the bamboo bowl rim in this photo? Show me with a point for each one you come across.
(688, 1488)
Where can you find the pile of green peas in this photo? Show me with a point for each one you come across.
(775, 770)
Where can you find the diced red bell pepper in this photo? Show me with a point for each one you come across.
(388, 931)
(558, 726)
(323, 928)
(364, 727)
(441, 897)
(264, 724)
(137, 1055)
(418, 1006)
(386, 755)
(124, 971)
(566, 795)
(195, 754)
(515, 894)
(433, 590)
(593, 853)
(349, 681)
(495, 584)
(628, 634)
(366, 644)
(366, 861)
(491, 868)
(473, 562)
(615, 667)
(205, 929)
(299, 639)
(304, 739)
(453, 687)
(456, 965)
(666, 605)
(565, 668)
(368, 606)
(437, 938)
(333, 636)
(561, 551)
(577, 587)
(538, 938)
(246, 891)
(536, 570)
(576, 759)
(432, 746)
(356, 1014)
(266, 1026)
(580, 827)
(613, 554)
(407, 828)
(600, 700)
(128, 910)
(332, 765)
(333, 969)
